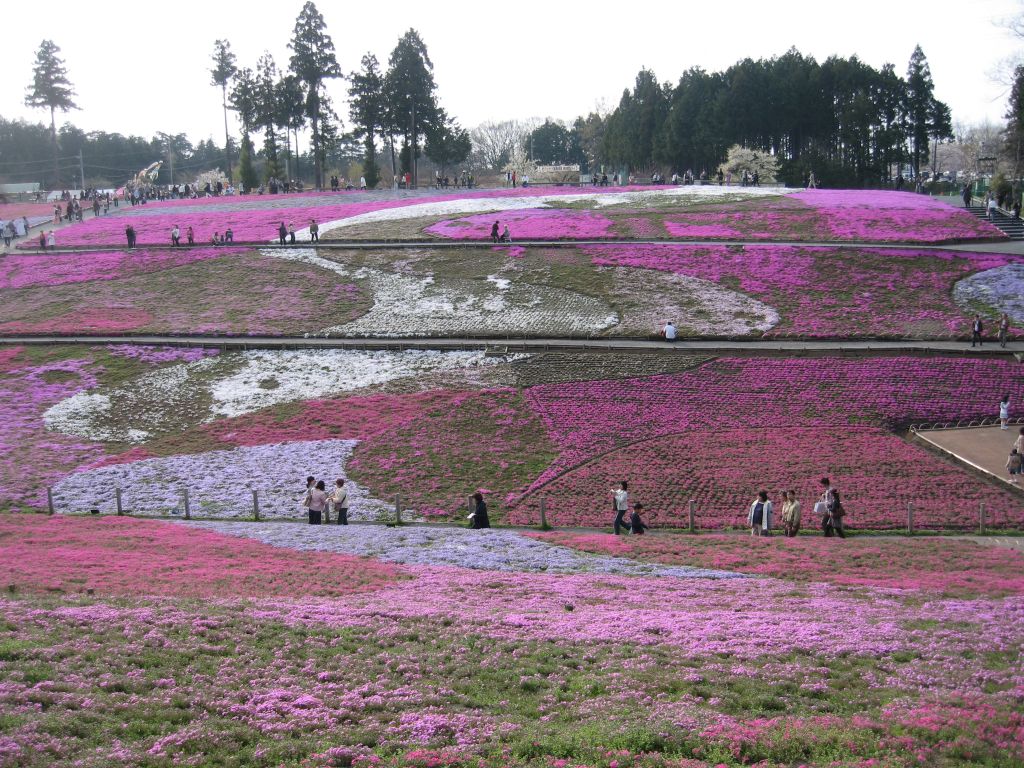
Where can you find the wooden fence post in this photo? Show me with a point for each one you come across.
(255, 506)
(117, 501)
(693, 516)
(981, 518)
(49, 501)
(543, 514)
(398, 509)
(910, 517)
(188, 509)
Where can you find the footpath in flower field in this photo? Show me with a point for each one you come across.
(229, 651)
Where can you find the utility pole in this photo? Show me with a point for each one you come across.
(81, 169)
(170, 159)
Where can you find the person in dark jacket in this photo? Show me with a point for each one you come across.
(976, 330)
(282, 233)
(636, 524)
(480, 519)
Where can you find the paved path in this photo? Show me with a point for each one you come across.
(984, 448)
(796, 347)
(1008, 246)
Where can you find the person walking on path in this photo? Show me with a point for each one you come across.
(291, 234)
(976, 330)
(479, 516)
(620, 504)
(824, 507)
(1004, 412)
(991, 207)
(339, 497)
(42, 241)
(1013, 465)
(175, 236)
(759, 516)
(190, 236)
(791, 514)
(494, 233)
(51, 240)
(1004, 330)
(282, 233)
(967, 196)
(316, 501)
(129, 233)
(314, 231)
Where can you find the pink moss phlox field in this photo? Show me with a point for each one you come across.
(530, 224)
(588, 418)
(89, 320)
(820, 293)
(722, 470)
(24, 270)
(936, 566)
(856, 214)
(29, 454)
(122, 556)
(697, 617)
(256, 219)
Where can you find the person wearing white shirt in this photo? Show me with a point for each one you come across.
(339, 497)
(669, 331)
(621, 505)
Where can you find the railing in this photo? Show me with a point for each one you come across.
(988, 421)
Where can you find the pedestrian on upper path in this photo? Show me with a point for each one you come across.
(1004, 412)
(791, 514)
(977, 328)
(1013, 465)
(620, 505)
(759, 516)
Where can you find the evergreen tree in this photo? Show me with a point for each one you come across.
(409, 88)
(1013, 136)
(919, 108)
(244, 100)
(51, 89)
(223, 70)
(549, 144)
(313, 61)
(291, 114)
(367, 110)
(447, 143)
(268, 112)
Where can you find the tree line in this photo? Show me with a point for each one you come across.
(849, 123)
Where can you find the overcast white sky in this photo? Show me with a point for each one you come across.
(142, 67)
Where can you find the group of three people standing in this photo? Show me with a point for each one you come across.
(318, 502)
(828, 507)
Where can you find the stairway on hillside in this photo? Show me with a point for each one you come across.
(1011, 227)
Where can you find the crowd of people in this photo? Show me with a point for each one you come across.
(464, 180)
(828, 509)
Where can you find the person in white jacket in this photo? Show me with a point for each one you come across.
(759, 518)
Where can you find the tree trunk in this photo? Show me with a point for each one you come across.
(56, 162)
(227, 137)
(317, 165)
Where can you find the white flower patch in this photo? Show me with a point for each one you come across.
(407, 305)
(232, 384)
(604, 199)
(272, 377)
(220, 483)
(1001, 288)
(694, 305)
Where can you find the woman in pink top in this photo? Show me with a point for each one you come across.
(317, 500)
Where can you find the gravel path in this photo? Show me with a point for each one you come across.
(492, 549)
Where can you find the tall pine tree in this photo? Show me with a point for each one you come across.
(223, 70)
(52, 90)
(313, 61)
(367, 111)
